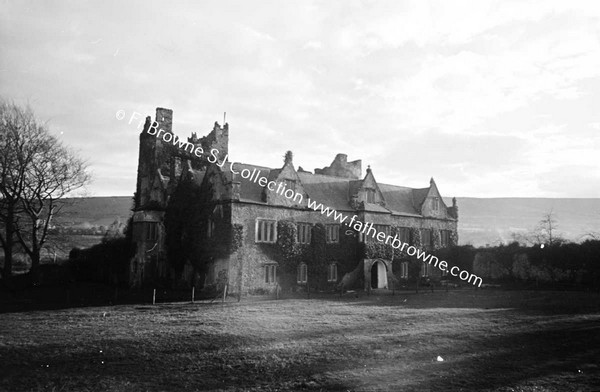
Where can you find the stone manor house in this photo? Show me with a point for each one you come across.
(198, 223)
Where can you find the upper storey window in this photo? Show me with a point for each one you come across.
(435, 203)
(304, 230)
(265, 230)
(332, 234)
(290, 184)
(370, 195)
(151, 231)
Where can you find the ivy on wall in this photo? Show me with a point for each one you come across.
(287, 242)
(237, 237)
(317, 255)
(378, 250)
(318, 267)
(454, 238)
(182, 235)
(415, 235)
(437, 238)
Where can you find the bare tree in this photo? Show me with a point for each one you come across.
(545, 232)
(43, 172)
(55, 173)
(546, 229)
(16, 125)
(592, 235)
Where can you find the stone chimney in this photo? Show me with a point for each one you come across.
(340, 167)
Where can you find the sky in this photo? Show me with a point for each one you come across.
(490, 98)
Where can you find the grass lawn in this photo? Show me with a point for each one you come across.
(490, 340)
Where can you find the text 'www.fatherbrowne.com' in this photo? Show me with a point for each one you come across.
(366, 228)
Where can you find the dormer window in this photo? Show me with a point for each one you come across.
(435, 203)
(290, 184)
(370, 195)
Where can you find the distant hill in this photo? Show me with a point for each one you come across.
(481, 221)
(90, 212)
(490, 221)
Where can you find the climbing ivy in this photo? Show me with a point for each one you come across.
(318, 266)
(237, 237)
(287, 242)
(376, 249)
(437, 239)
(454, 238)
(415, 235)
(182, 236)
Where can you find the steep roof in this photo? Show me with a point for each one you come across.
(399, 199)
(249, 190)
(331, 191)
(419, 196)
(327, 190)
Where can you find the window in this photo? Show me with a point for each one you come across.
(426, 237)
(218, 211)
(370, 195)
(444, 272)
(332, 273)
(271, 273)
(210, 230)
(265, 230)
(290, 184)
(425, 269)
(302, 273)
(404, 235)
(404, 270)
(435, 203)
(380, 229)
(151, 231)
(304, 230)
(383, 229)
(333, 233)
(445, 238)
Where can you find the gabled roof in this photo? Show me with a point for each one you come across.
(419, 196)
(327, 190)
(400, 199)
(334, 192)
(249, 190)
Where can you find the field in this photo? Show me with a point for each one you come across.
(490, 340)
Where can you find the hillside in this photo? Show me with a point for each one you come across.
(481, 221)
(95, 211)
(490, 221)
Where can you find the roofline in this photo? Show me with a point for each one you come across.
(233, 201)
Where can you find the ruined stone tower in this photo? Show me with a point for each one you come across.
(161, 166)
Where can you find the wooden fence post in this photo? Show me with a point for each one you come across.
(154, 297)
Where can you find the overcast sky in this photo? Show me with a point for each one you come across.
(492, 99)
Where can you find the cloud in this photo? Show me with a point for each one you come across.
(489, 97)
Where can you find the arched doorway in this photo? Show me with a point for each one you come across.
(378, 275)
